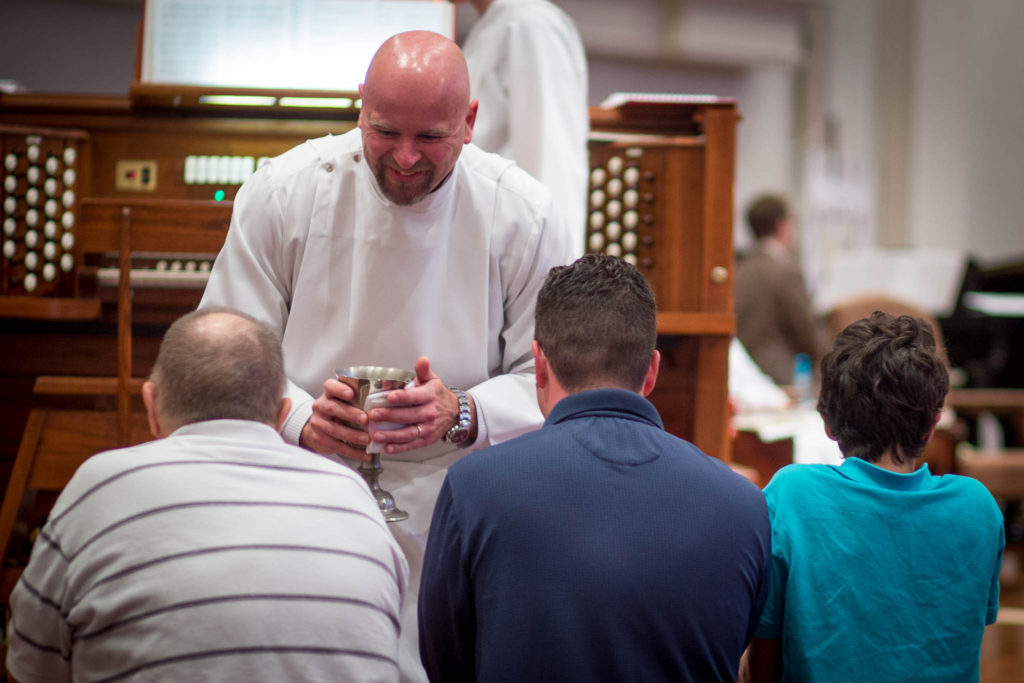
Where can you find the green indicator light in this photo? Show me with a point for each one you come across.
(218, 195)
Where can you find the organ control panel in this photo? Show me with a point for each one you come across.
(58, 150)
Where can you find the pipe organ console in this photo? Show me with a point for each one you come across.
(660, 197)
(41, 185)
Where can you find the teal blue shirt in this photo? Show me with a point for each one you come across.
(879, 576)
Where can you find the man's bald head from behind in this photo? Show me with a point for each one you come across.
(216, 364)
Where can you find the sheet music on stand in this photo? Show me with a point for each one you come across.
(927, 277)
(276, 44)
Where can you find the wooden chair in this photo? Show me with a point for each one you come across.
(852, 310)
(1001, 471)
(57, 440)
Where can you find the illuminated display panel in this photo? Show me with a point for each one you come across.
(277, 44)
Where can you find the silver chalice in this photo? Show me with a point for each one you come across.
(369, 381)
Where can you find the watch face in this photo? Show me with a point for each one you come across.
(456, 435)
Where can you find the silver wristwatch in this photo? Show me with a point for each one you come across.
(458, 435)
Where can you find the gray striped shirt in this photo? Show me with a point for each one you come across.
(218, 553)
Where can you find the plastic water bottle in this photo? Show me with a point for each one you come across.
(802, 379)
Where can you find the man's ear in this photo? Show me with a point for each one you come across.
(652, 373)
(282, 413)
(541, 370)
(149, 399)
(828, 430)
(474, 106)
(359, 120)
(540, 365)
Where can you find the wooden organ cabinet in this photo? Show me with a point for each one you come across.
(97, 188)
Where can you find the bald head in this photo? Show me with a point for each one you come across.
(416, 114)
(217, 364)
(417, 68)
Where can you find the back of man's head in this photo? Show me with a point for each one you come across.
(882, 387)
(596, 323)
(218, 364)
(765, 214)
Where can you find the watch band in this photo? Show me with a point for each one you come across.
(459, 432)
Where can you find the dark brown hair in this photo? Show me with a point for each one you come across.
(596, 322)
(882, 386)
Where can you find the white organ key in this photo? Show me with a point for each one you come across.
(235, 174)
(224, 169)
(190, 169)
(202, 162)
(632, 176)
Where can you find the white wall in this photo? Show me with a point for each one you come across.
(966, 164)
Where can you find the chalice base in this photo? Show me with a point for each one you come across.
(385, 501)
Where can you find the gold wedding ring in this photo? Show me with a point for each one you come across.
(419, 431)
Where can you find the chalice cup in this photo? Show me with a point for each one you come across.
(371, 384)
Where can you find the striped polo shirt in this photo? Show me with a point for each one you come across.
(217, 553)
